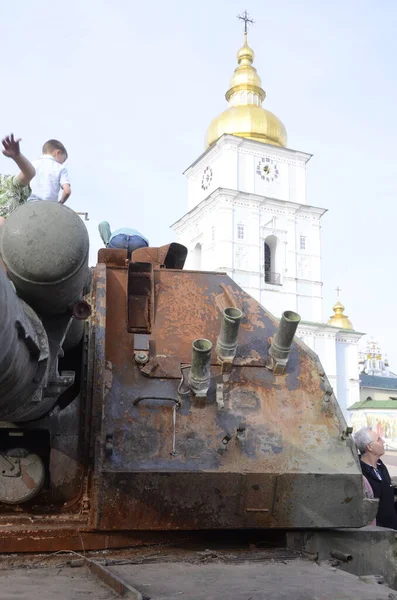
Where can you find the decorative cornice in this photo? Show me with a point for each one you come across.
(263, 203)
(244, 145)
(349, 338)
(322, 329)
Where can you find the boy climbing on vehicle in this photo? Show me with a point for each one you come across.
(51, 175)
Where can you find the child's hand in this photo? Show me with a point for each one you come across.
(11, 146)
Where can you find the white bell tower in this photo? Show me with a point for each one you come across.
(248, 213)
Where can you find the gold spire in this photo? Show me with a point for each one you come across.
(245, 76)
(339, 319)
(245, 116)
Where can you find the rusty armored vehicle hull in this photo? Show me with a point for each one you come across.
(138, 399)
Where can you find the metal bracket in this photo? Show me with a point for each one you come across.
(9, 466)
(219, 396)
(226, 439)
(140, 298)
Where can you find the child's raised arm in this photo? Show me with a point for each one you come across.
(11, 149)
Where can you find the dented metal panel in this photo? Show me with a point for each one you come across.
(134, 447)
(270, 475)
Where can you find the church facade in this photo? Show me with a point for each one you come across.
(248, 216)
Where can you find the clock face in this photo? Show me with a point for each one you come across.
(267, 169)
(207, 178)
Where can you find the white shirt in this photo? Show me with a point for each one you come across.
(49, 180)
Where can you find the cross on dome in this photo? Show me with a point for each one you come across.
(245, 17)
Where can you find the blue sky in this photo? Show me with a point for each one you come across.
(130, 89)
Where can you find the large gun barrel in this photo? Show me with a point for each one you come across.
(44, 247)
(23, 344)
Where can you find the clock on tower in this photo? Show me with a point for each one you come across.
(267, 169)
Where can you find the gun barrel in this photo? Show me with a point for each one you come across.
(199, 376)
(44, 247)
(282, 342)
(23, 345)
(226, 345)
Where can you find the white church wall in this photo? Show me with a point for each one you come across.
(307, 339)
(354, 383)
(233, 163)
(245, 169)
(338, 353)
(240, 227)
(342, 384)
(317, 302)
(348, 389)
(204, 177)
(228, 167)
(297, 183)
(375, 394)
(324, 346)
(304, 305)
(276, 303)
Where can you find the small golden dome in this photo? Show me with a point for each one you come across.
(245, 74)
(245, 116)
(339, 319)
(245, 52)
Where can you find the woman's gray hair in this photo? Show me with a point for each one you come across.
(362, 439)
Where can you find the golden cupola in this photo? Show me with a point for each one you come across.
(339, 319)
(245, 116)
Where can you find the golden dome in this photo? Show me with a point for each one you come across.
(339, 319)
(245, 116)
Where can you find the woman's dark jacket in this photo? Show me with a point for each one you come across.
(384, 490)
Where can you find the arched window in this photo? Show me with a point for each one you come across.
(272, 274)
(268, 259)
(197, 257)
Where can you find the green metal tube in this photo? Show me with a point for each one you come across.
(282, 341)
(199, 376)
(226, 345)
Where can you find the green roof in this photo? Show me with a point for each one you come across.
(380, 404)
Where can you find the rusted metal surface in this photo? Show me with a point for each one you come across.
(135, 451)
(60, 532)
(140, 297)
(268, 477)
(112, 257)
(170, 256)
(99, 380)
(71, 536)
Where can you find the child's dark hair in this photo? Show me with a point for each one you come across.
(53, 145)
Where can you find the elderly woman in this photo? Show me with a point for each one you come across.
(371, 448)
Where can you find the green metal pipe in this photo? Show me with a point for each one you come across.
(226, 345)
(282, 341)
(200, 376)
